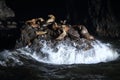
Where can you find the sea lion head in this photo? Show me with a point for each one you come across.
(51, 19)
(51, 16)
(65, 28)
(63, 21)
(91, 37)
(41, 19)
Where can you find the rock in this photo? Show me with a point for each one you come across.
(1, 25)
(5, 12)
(73, 34)
(8, 37)
(27, 36)
(36, 45)
(11, 25)
(52, 35)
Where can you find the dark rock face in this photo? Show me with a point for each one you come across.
(5, 12)
(97, 15)
(8, 27)
(103, 19)
(101, 16)
(8, 35)
(27, 36)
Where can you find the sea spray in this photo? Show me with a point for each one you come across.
(63, 53)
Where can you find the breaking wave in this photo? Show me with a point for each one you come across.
(64, 53)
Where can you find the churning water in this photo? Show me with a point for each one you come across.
(63, 53)
(69, 54)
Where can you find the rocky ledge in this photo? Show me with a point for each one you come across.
(31, 32)
(37, 29)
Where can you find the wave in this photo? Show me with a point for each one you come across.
(63, 53)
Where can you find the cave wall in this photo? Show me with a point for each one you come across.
(73, 11)
(25, 9)
(101, 17)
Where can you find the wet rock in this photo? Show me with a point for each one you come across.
(27, 36)
(52, 34)
(73, 34)
(36, 45)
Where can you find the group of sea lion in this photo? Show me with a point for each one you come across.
(62, 28)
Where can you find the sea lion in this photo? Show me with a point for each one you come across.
(55, 26)
(84, 32)
(41, 32)
(32, 23)
(40, 21)
(63, 21)
(51, 19)
(65, 29)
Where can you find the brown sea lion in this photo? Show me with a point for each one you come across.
(32, 23)
(84, 32)
(63, 21)
(65, 29)
(56, 26)
(41, 32)
(40, 21)
(51, 19)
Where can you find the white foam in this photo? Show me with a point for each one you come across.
(65, 53)
(7, 58)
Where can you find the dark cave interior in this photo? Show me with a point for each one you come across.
(62, 9)
(74, 11)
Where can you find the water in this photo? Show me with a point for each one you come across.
(64, 53)
(64, 61)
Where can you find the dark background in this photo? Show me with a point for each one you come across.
(63, 9)
(87, 12)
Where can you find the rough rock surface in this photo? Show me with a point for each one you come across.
(32, 36)
(8, 27)
(5, 12)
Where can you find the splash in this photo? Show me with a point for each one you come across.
(61, 53)
(8, 58)
(64, 53)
